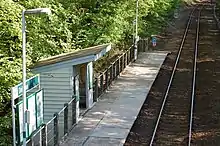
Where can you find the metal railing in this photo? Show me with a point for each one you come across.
(143, 45)
(104, 80)
(55, 130)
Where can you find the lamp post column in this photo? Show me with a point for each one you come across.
(136, 32)
(24, 76)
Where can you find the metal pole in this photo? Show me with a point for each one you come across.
(136, 32)
(24, 76)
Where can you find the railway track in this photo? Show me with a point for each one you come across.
(175, 119)
(187, 88)
(206, 114)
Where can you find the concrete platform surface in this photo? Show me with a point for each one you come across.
(109, 121)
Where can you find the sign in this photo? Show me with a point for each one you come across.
(35, 108)
(154, 41)
(30, 84)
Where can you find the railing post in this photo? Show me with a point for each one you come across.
(142, 45)
(106, 79)
(66, 118)
(101, 83)
(96, 90)
(132, 54)
(56, 129)
(147, 44)
(74, 110)
(122, 62)
(126, 59)
(115, 70)
(44, 135)
(111, 73)
(119, 67)
(138, 45)
(140, 42)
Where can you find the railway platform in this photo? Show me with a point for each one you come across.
(109, 121)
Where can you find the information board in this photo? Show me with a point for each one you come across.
(30, 84)
(35, 110)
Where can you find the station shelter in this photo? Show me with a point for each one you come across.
(66, 76)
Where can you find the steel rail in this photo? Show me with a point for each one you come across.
(194, 78)
(216, 18)
(172, 75)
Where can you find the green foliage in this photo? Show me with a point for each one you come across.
(74, 24)
(10, 52)
(6, 130)
(218, 3)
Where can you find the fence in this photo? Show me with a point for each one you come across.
(57, 128)
(104, 80)
(54, 131)
(143, 45)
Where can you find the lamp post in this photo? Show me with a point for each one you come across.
(136, 32)
(25, 113)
